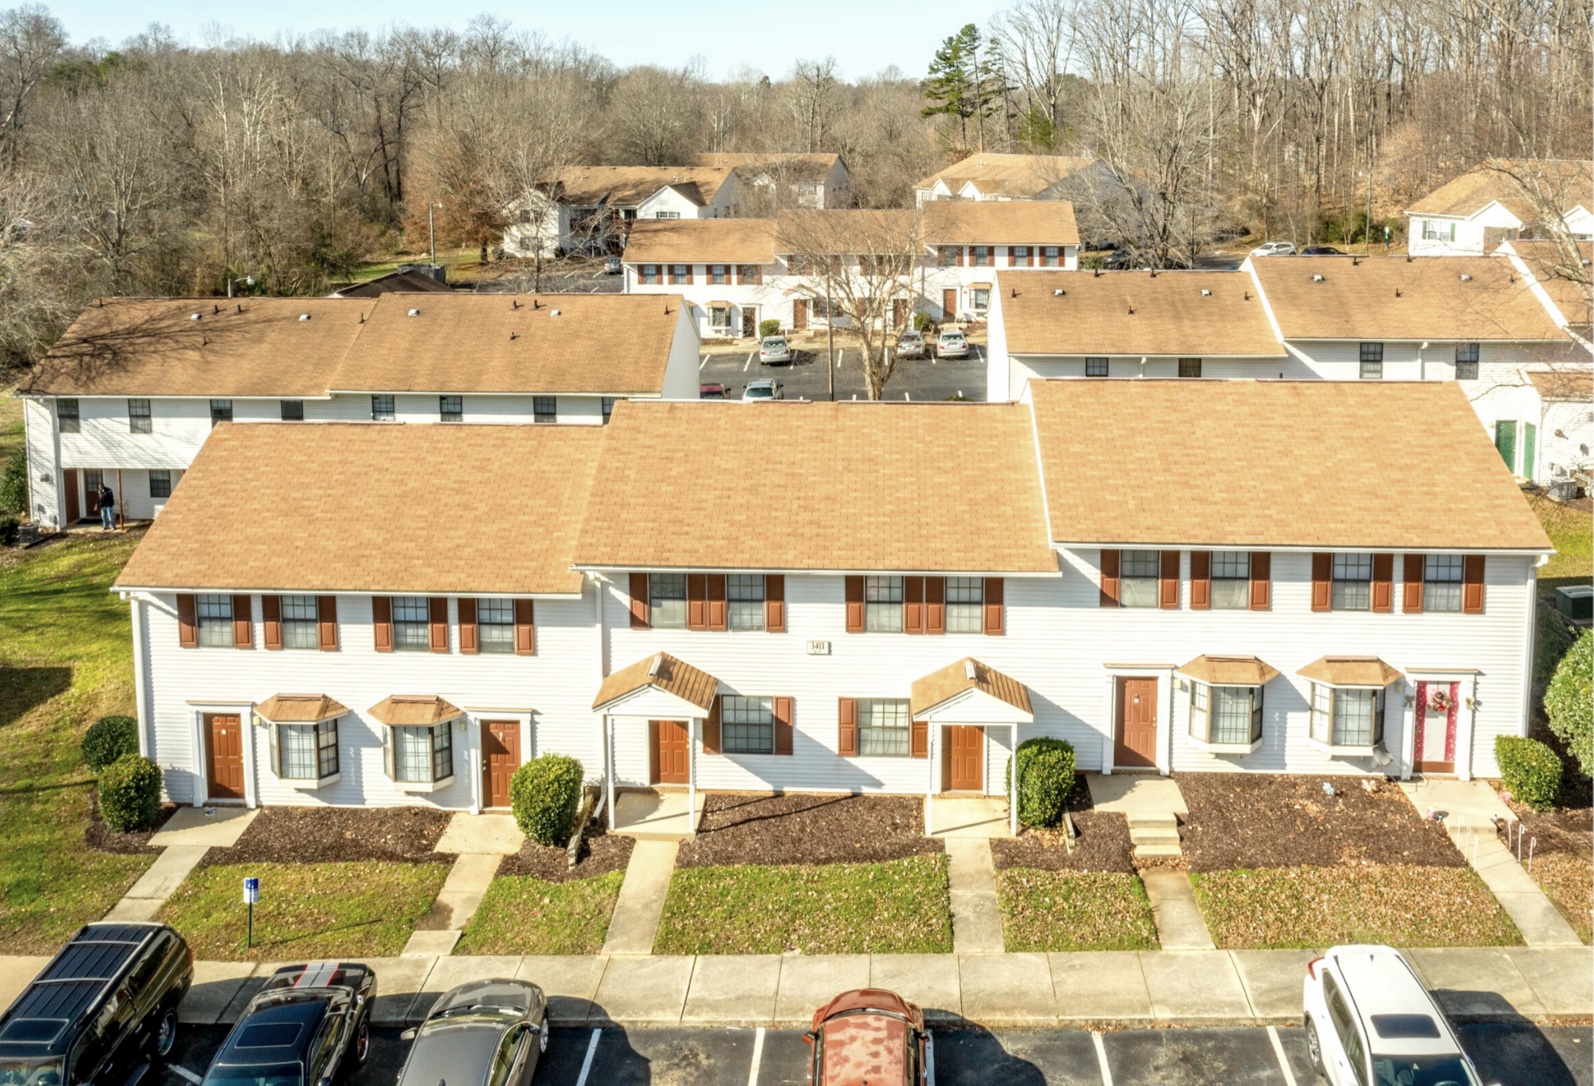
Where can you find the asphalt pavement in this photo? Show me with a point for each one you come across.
(804, 377)
(1507, 1054)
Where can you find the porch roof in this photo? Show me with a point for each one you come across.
(1350, 671)
(398, 710)
(299, 708)
(962, 676)
(661, 672)
(1228, 671)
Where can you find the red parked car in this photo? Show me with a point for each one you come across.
(868, 1037)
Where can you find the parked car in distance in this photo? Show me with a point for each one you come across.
(102, 1010)
(711, 392)
(867, 1035)
(494, 1028)
(307, 1025)
(1274, 248)
(1118, 260)
(1370, 1020)
(763, 390)
(951, 343)
(1321, 250)
(611, 265)
(911, 345)
(774, 349)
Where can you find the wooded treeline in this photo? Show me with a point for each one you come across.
(165, 168)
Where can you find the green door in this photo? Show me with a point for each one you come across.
(1530, 445)
(1505, 439)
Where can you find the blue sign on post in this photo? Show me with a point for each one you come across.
(251, 896)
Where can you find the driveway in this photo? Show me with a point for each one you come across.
(804, 377)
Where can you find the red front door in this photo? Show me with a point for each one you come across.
(670, 751)
(1434, 744)
(949, 303)
(1135, 740)
(225, 733)
(500, 759)
(963, 759)
(72, 504)
(799, 315)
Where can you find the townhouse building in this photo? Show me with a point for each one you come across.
(1502, 200)
(991, 176)
(780, 179)
(590, 208)
(135, 385)
(1101, 561)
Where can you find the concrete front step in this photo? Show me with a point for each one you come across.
(1154, 837)
(1157, 851)
(1152, 822)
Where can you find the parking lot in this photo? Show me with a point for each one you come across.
(1511, 1055)
(804, 377)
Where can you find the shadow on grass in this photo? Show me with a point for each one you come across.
(22, 689)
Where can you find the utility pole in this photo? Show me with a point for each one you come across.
(431, 231)
(830, 333)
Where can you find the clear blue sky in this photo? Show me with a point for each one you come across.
(864, 36)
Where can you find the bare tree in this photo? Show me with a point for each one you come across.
(30, 41)
(814, 90)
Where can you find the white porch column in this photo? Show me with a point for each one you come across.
(691, 773)
(608, 766)
(1012, 782)
(931, 728)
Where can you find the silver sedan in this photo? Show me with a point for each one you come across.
(476, 1028)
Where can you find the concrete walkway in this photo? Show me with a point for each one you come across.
(1180, 925)
(659, 815)
(188, 834)
(640, 903)
(479, 843)
(1152, 805)
(971, 878)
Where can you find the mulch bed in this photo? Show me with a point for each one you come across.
(100, 837)
(600, 854)
(309, 835)
(1245, 820)
(1102, 843)
(807, 829)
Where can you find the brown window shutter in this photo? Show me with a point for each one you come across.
(919, 739)
(1472, 566)
(639, 601)
(847, 734)
(1109, 578)
(326, 613)
(1411, 583)
(716, 601)
(1383, 583)
(1200, 580)
(525, 628)
(696, 601)
(243, 622)
(995, 606)
(382, 622)
(1261, 580)
(913, 605)
(653, 750)
(467, 626)
(775, 602)
(935, 605)
(783, 718)
(855, 605)
(187, 623)
(711, 728)
(960, 255)
(1170, 581)
(1322, 581)
(437, 607)
(271, 621)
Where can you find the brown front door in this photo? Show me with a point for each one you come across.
(92, 481)
(949, 303)
(72, 506)
(799, 315)
(500, 759)
(226, 765)
(899, 312)
(962, 759)
(1135, 741)
(669, 751)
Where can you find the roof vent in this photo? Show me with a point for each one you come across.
(553, 312)
(968, 670)
(193, 316)
(415, 312)
(1059, 292)
(1317, 278)
(1205, 293)
(304, 316)
(1465, 278)
(656, 666)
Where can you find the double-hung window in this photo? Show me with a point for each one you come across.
(423, 754)
(744, 608)
(1017, 256)
(751, 274)
(66, 415)
(947, 255)
(1095, 367)
(1466, 361)
(747, 725)
(213, 613)
(882, 604)
(1347, 716)
(650, 273)
(1434, 230)
(300, 622)
(220, 411)
(382, 408)
(1371, 357)
(545, 409)
(411, 624)
(451, 408)
(1189, 367)
(1231, 580)
(495, 625)
(1051, 256)
(680, 273)
(160, 483)
(719, 274)
(980, 299)
(667, 600)
(138, 420)
(307, 752)
(883, 728)
(965, 605)
(291, 410)
(1353, 582)
(1225, 715)
(1140, 576)
(1441, 582)
(982, 256)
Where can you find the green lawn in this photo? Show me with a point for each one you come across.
(65, 661)
(1572, 534)
(525, 915)
(897, 907)
(1402, 905)
(10, 424)
(317, 910)
(1074, 910)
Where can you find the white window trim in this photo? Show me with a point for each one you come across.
(1206, 745)
(457, 747)
(303, 784)
(472, 746)
(1338, 750)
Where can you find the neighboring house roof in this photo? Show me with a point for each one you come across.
(1261, 464)
(1181, 313)
(372, 507)
(299, 708)
(237, 347)
(904, 487)
(1564, 386)
(615, 344)
(792, 166)
(1007, 175)
(999, 222)
(661, 671)
(1565, 281)
(1444, 298)
(963, 675)
(627, 186)
(702, 241)
(409, 282)
(400, 710)
(1520, 186)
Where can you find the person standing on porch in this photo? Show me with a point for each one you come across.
(107, 507)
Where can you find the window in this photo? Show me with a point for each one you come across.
(220, 411)
(214, 615)
(300, 622)
(747, 725)
(1017, 256)
(965, 605)
(1441, 582)
(423, 755)
(1139, 579)
(1095, 367)
(680, 273)
(882, 604)
(947, 255)
(1227, 715)
(982, 256)
(382, 408)
(66, 416)
(744, 608)
(1433, 230)
(1372, 360)
(1466, 361)
(307, 752)
(1347, 717)
(650, 273)
(667, 600)
(1353, 582)
(495, 625)
(980, 298)
(1189, 367)
(545, 409)
(1231, 580)
(292, 410)
(1051, 256)
(719, 274)
(451, 408)
(138, 421)
(751, 274)
(606, 404)
(411, 624)
(666, 214)
(883, 728)
(719, 319)
(160, 483)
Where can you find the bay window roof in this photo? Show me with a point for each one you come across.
(299, 708)
(1351, 671)
(1228, 671)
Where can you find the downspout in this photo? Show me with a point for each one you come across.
(141, 710)
(1532, 631)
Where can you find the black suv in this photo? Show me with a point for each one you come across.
(308, 1023)
(101, 1011)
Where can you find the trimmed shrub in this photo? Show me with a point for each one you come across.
(108, 738)
(130, 793)
(1529, 770)
(1569, 701)
(1045, 777)
(9, 530)
(769, 326)
(544, 794)
(14, 483)
(922, 322)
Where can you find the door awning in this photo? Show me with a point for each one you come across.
(299, 708)
(1364, 671)
(663, 673)
(414, 710)
(967, 678)
(1228, 671)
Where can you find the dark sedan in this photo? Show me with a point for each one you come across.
(486, 1027)
(306, 1025)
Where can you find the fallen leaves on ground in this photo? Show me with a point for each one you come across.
(524, 915)
(1074, 910)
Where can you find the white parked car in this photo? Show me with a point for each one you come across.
(951, 344)
(1274, 248)
(1369, 1020)
(774, 349)
(763, 390)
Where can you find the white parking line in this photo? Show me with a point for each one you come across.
(749, 361)
(186, 1073)
(1278, 1050)
(758, 1057)
(1101, 1058)
(906, 396)
(703, 362)
(929, 1059)
(586, 1064)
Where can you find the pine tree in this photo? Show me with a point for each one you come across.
(962, 83)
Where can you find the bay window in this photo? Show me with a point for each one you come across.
(1347, 716)
(1225, 715)
(421, 754)
(306, 752)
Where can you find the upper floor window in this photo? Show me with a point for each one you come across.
(213, 615)
(650, 273)
(947, 255)
(545, 409)
(66, 416)
(1189, 367)
(606, 405)
(1466, 361)
(965, 605)
(882, 604)
(138, 420)
(751, 274)
(220, 411)
(667, 600)
(666, 214)
(747, 725)
(982, 256)
(382, 408)
(1225, 714)
(1017, 256)
(1353, 582)
(1140, 575)
(1347, 717)
(680, 273)
(719, 274)
(1441, 582)
(411, 624)
(292, 410)
(1231, 580)
(884, 728)
(160, 483)
(495, 625)
(744, 608)
(1051, 256)
(451, 408)
(1095, 367)
(1372, 361)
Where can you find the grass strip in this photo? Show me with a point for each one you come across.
(524, 915)
(1568, 881)
(1074, 910)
